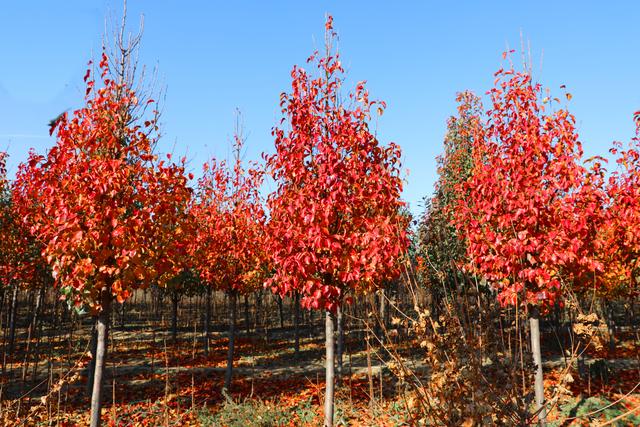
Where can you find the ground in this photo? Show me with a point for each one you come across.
(153, 381)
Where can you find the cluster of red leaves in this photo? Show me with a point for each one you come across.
(19, 252)
(100, 202)
(623, 216)
(227, 244)
(336, 217)
(529, 217)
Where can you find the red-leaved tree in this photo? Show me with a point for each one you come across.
(336, 223)
(99, 201)
(20, 263)
(623, 218)
(619, 231)
(529, 218)
(227, 245)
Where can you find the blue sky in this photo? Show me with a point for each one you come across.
(216, 57)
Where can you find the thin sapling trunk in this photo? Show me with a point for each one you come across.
(329, 369)
(534, 323)
(102, 328)
(233, 296)
(175, 298)
(207, 320)
(340, 346)
(296, 325)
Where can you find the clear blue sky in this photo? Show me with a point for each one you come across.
(215, 57)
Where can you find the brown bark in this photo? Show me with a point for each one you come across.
(233, 296)
(175, 298)
(247, 325)
(207, 321)
(296, 325)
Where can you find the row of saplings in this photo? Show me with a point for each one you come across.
(109, 217)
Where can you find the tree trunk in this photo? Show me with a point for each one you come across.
(102, 327)
(534, 323)
(247, 325)
(122, 314)
(233, 296)
(611, 325)
(33, 324)
(258, 311)
(174, 315)
(369, 367)
(329, 369)
(296, 325)
(91, 368)
(383, 316)
(12, 318)
(207, 321)
(40, 324)
(2, 294)
(280, 311)
(340, 345)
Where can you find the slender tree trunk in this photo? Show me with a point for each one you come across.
(265, 319)
(91, 369)
(383, 316)
(33, 324)
(340, 345)
(534, 323)
(174, 315)
(207, 320)
(233, 296)
(2, 294)
(280, 311)
(40, 323)
(102, 328)
(157, 301)
(258, 312)
(122, 314)
(296, 325)
(247, 325)
(12, 318)
(369, 366)
(329, 369)
(611, 325)
(634, 320)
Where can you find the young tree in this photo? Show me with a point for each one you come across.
(99, 202)
(623, 219)
(439, 241)
(620, 241)
(335, 219)
(185, 283)
(228, 241)
(526, 213)
(20, 265)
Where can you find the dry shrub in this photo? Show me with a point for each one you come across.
(469, 380)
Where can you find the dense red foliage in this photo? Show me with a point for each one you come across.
(100, 202)
(529, 218)
(19, 252)
(227, 244)
(623, 219)
(336, 217)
